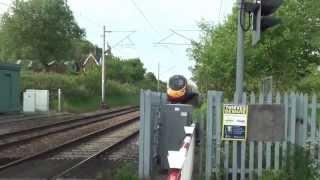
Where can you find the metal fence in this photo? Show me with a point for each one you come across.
(150, 107)
(248, 160)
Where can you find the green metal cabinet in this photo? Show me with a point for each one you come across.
(9, 88)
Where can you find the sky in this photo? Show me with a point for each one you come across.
(151, 21)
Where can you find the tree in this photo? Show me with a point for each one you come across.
(126, 71)
(42, 30)
(80, 51)
(149, 76)
(287, 52)
(134, 70)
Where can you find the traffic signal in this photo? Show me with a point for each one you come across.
(262, 17)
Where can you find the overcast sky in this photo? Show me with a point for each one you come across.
(152, 20)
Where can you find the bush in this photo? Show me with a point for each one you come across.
(310, 84)
(200, 112)
(125, 71)
(52, 82)
(82, 90)
(126, 172)
(299, 165)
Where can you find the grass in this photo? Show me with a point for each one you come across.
(84, 104)
(81, 93)
(127, 171)
(300, 165)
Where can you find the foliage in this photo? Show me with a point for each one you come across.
(126, 172)
(287, 52)
(299, 165)
(86, 87)
(80, 50)
(311, 83)
(150, 77)
(77, 89)
(87, 104)
(43, 30)
(127, 71)
(200, 112)
(52, 81)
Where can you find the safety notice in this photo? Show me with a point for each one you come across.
(234, 125)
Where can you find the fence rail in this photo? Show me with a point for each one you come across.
(248, 160)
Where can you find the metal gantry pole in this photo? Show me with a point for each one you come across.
(158, 76)
(103, 67)
(240, 57)
(239, 76)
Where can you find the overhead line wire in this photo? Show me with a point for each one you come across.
(143, 15)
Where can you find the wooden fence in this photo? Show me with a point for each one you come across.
(248, 160)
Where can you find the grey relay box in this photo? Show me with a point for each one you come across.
(173, 119)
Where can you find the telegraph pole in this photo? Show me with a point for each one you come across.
(103, 103)
(240, 57)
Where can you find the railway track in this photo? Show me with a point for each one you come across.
(21, 117)
(18, 125)
(87, 151)
(102, 136)
(36, 130)
(10, 142)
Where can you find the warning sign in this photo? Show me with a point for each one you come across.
(234, 125)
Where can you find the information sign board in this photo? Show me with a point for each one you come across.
(235, 118)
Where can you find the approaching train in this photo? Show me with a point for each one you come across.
(179, 91)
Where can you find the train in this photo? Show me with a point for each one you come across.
(180, 92)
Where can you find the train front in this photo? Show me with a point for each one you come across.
(177, 89)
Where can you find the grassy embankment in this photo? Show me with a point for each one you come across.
(81, 92)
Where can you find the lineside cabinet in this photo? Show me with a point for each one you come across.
(9, 88)
(173, 119)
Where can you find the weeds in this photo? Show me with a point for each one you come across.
(125, 172)
(300, 165)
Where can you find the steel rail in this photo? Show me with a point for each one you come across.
(9, 139)
(26, 117)
(67, 143)
(113, 145)
(67, 120)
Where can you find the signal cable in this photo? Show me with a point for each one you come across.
(243, 17)
(149, 23)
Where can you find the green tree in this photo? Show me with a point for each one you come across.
(80, 50)
(126, 71)
(149, 76)
(287, 52)
(134, 70)
(42, 30)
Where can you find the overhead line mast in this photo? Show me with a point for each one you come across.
(103, 66)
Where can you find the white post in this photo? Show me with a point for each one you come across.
(59, 100)
(103, 67)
